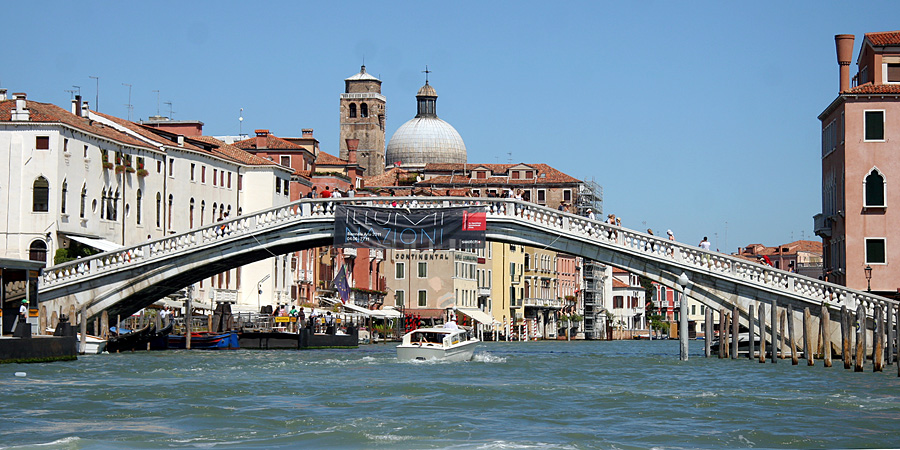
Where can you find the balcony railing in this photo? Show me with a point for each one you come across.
(542, 303)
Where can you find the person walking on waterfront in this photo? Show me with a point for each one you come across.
(325, 193)
(23, 311)
(329, 323)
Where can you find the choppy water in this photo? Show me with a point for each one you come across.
(557, 395)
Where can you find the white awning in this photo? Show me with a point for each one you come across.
(478, 315)
(99, 244)
(379, 313)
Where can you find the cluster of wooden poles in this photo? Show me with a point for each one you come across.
(817, 334)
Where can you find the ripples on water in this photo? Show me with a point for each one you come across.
(547, 395)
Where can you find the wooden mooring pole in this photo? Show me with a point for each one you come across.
(721, 334)
(826, 336)
(878, 341)
(774, 334)
(762, 332)
(846, 356)
(790, 323)
(751, 325)
(728, 336)
(781, 331)
(83, 324)
(860, 338)
(808, 342)
(708, 332)
(889, 333)
(735, 327)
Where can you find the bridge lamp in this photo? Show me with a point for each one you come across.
(683, 281)
(868, 270)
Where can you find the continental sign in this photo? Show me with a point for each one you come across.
(396, 228)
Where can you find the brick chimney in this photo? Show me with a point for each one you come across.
(307, 132)
(844, 45)
(2, 94)
(352, 145)
(261, 136)
(77, 103)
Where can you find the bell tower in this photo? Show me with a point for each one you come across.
(362, 117)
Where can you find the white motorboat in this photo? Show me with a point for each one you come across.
(93, 344)
(450, 344)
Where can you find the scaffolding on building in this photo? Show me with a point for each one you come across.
(590, 196)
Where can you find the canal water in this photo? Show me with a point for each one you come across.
(540, 395)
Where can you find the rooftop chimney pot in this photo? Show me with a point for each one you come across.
(77, 103)
(2, 94)
(844, 46)
(307, 132)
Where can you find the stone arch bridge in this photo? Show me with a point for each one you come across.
(126, 280)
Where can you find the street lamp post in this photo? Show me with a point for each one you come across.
(868, 270)
(683, 281)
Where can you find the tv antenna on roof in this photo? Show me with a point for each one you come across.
(71, 92)
(129, 105)
(241, 123)
(171, 113)
(77, 87)
(157, 100)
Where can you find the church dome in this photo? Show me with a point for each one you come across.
(426, 138)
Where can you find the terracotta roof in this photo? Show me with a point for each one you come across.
(234, 153)
(618, 270)
(388, 178)
(46, 112)
(619, 284)
(324, 159)
(272, 143)
(751, 251)
(870, 88)
(884, 38)
(154, 134)
(544, 174)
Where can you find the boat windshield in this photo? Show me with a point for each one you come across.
(427, 337)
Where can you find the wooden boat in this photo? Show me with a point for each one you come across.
(160, 339)
(226, 340)
(131, 341)
(450, 344)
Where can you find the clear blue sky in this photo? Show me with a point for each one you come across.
(694, 116)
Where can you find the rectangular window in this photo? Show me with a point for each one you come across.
(476, 192)
(874, 125)
(221, 178)
(240, 182)
(277, 184)
(399, 271)
(893, 73)
(423, 270)
(515, 175)
(203, 174)
(286, 160)
(481, 174)
(215, 172)
(193, 167)
(159, 166)
(399, 299)
(171, 167)
(85, 151)
(423, 298)
(42, 143)
(65, 145)
(229, 180)
(567, 195)
(541, 196)
(875, 251)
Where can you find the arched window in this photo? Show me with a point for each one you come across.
(202, 211)
(363, 110)
(191, 217)
(62, 200)
(874, 189)
(103, 203)
(171, 202)
(140, 198)
(38, 251)
(352, 110)
(114, 206)
(215, 209)
(83, 201)
(40, 195)
(158, 209)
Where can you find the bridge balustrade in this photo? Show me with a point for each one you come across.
(557, 222)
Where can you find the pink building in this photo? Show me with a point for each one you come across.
(860, 156)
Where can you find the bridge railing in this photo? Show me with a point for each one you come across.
(595, 231)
